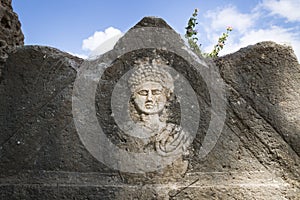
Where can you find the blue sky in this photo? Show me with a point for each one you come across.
(66, 24)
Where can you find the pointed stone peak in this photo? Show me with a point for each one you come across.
(152, 22)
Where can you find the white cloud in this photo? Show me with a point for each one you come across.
(105, 46)
(230, 16)
(99, 37)
(276, 34)
(285, 8)
(246, 30)
(83, 56)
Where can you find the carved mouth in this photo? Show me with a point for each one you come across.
(149, 105)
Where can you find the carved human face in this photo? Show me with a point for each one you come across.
(150, 98)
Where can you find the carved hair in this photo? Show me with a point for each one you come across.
(146, 71)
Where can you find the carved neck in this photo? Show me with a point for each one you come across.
(152, 121)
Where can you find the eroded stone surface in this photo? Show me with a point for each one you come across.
(10, 31)
(37, 130)
(42, 156)
(267, 76)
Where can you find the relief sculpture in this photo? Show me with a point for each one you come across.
(152, 88)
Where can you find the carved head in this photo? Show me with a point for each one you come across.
(151, 86)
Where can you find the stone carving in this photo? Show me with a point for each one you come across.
(152, 89)
(255, 157)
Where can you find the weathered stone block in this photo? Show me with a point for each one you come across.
(42, 155)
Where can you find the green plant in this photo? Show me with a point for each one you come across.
(221, 42)
(191, 35)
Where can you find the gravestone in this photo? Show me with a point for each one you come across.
(150, 120)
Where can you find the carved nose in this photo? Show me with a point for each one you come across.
(149, 96)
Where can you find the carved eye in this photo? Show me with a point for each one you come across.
(156, 92)
(143, 92)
